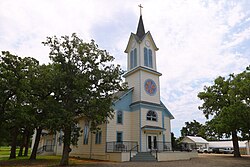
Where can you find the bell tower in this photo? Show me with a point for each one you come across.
(142, 72)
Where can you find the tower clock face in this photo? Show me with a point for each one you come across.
(150, 87)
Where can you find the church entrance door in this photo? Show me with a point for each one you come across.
(152, 142)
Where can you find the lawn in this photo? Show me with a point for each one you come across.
(5, 152)
(41, 160)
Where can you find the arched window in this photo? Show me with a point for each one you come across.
(152, 116)
(148, 61)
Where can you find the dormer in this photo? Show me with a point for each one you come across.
(141, 49)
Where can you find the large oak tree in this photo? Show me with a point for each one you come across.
(85, 80)
(227, 104)
(15, 108)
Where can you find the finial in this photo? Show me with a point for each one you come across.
(140, 9)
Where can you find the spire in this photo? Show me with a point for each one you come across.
(140, 29)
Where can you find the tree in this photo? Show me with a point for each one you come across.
(86, 82)
(45, 107)
(227, 101)
(193, 129)
(15, 74)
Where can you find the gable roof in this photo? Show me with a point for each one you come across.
(139, 40)
(167, 111)
(120, 94)
(196, 139)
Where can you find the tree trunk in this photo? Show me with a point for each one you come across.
(35, 147)
(22, 145)
(26, 144)
(20, 153)
(235, 144)
(13, 143)
(66, 147)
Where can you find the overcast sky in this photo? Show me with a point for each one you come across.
(197, 40)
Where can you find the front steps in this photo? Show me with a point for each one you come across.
(143, 156)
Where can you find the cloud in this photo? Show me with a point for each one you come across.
(198, 40)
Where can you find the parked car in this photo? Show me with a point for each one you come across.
(223, 150)
(204, 150)
(228, 151)
(207, 150)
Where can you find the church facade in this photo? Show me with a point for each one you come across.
(141, 121)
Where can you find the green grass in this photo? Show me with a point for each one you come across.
(41, 160)
(5, 152)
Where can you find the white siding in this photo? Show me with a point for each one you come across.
(84, 150)
(129, 127)
(167, 126)
(133, 80)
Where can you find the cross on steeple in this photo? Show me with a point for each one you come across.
(140, 9)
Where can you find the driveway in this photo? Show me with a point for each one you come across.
(203, 160)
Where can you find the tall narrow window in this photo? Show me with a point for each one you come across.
(119, 137)
(148, 59)
(145, 57)
(86, 133)
(119, 117)
(133, 58)
(98, 137)
(60, 137)
(152, 116)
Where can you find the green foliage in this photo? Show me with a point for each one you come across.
(193, 129)
(84, 83)
(15, 107)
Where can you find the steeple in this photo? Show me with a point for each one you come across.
(140, 29)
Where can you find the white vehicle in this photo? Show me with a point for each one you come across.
(207, 150)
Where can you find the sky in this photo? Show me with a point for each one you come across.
(198, 40)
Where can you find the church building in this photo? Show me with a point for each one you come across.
(141, 121)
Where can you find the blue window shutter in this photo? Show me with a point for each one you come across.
(150, 64)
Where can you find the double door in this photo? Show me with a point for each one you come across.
(151, 142)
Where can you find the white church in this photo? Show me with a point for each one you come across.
(141, 122)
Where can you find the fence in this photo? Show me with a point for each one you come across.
(123, 146)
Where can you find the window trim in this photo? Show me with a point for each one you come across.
(148, 57)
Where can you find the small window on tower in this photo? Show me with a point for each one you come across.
(133, 58)
(151, 116)
(148, 60)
